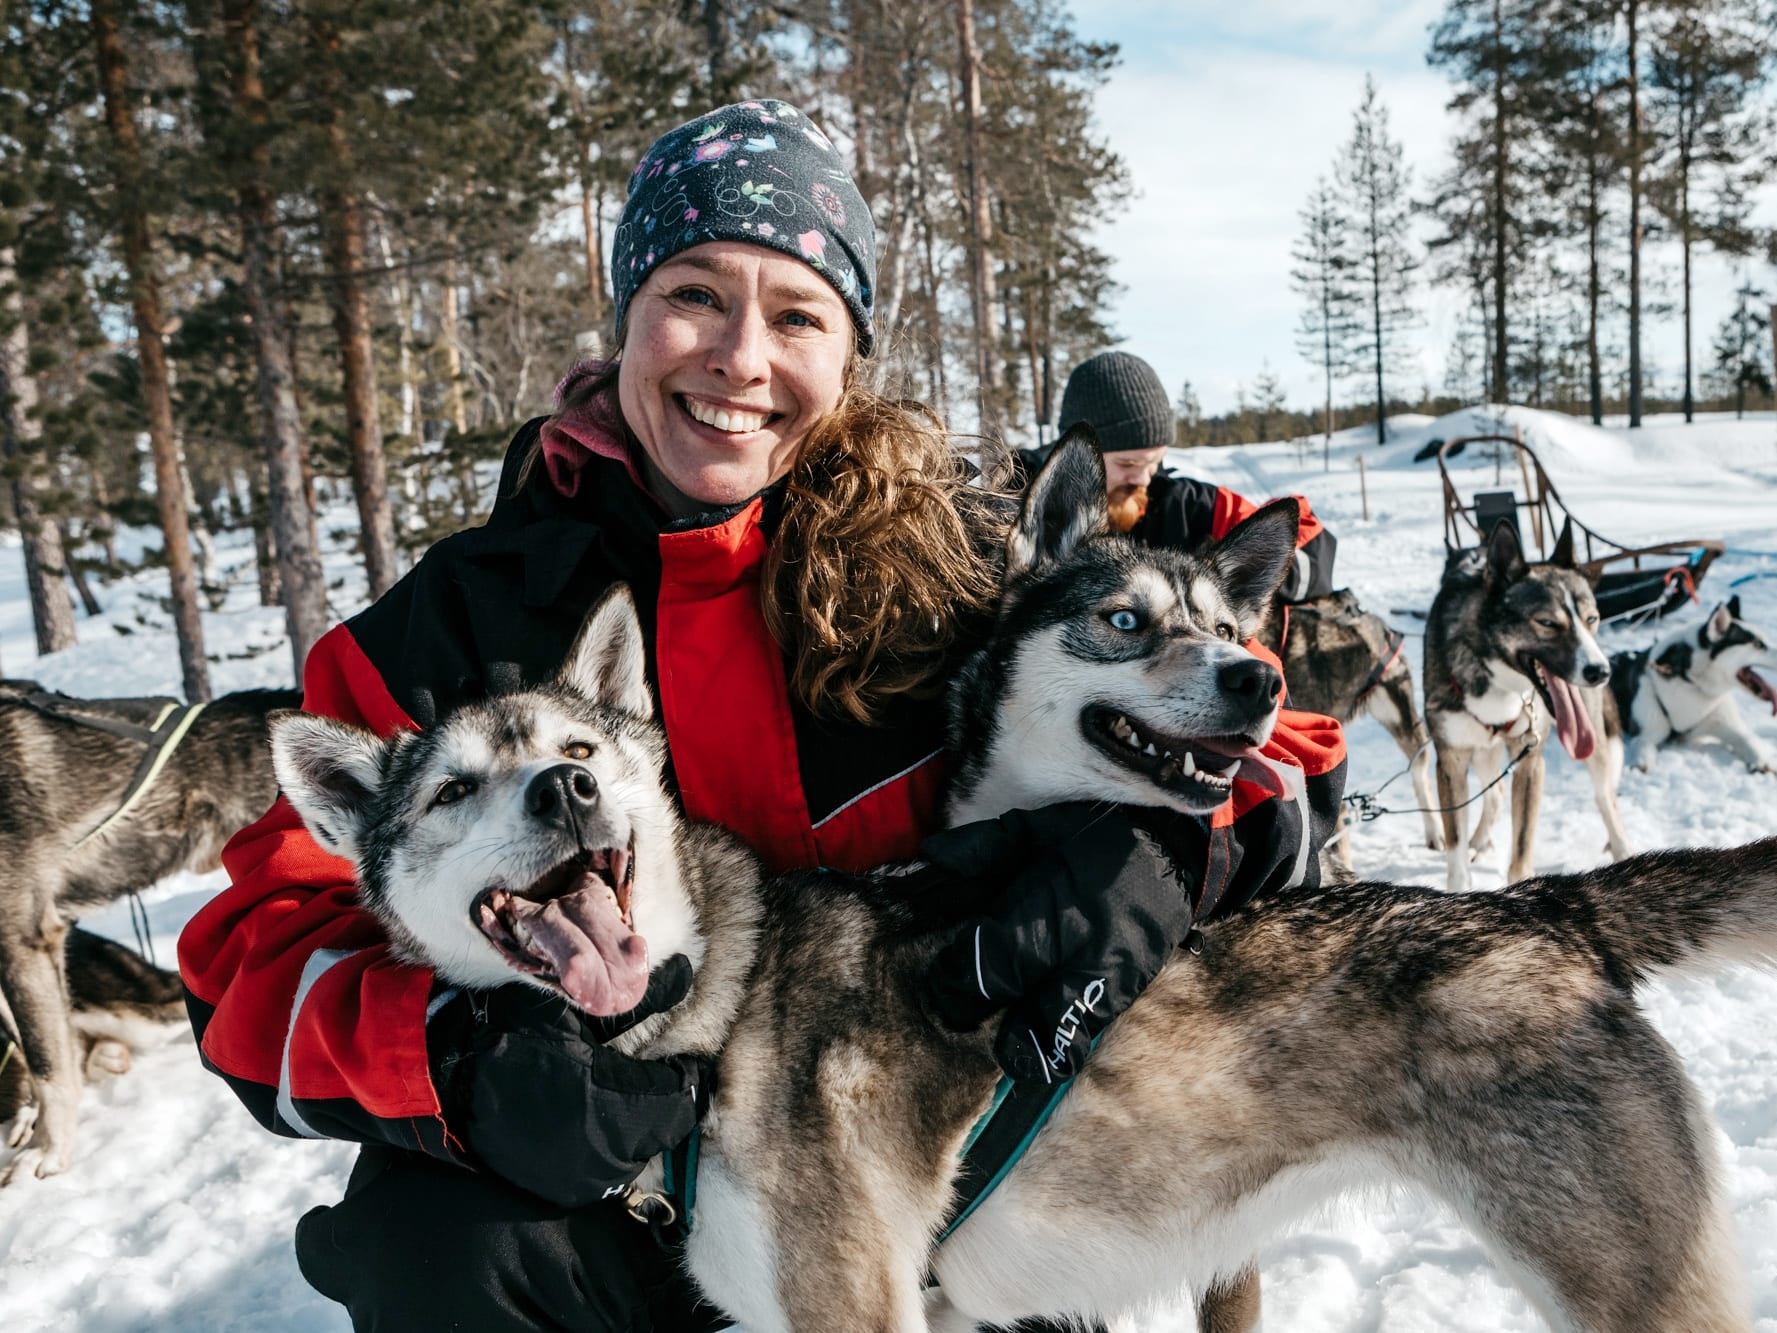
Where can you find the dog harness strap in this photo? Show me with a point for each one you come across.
(996, 1143)
(62, 708)
(168, 731)
(1396, 641)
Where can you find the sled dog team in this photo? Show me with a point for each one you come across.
(539, 897)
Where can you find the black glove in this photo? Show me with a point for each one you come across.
(528, 1087)
(1089, 915)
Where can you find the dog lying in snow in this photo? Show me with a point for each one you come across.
(1684, 688)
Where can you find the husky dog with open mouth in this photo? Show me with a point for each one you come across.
(1485, 1047)
(1683, 688)
(1511, 651)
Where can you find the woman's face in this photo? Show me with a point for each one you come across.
(732, 353)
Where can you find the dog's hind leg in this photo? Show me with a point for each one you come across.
(1584, 1157)
(30, 956)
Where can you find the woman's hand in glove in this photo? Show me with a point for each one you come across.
(529, 1088)
(1089, 913)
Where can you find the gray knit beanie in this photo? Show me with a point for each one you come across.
(1122, 399)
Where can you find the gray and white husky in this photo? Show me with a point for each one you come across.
(1683, 688)
(1511, 650)
(1486, 1047)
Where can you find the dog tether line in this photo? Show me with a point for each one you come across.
(1364, 803)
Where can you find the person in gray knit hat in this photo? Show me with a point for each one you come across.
(1121, 399)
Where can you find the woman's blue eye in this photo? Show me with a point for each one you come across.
(1127, 621)
(695, 295)
(801, 320)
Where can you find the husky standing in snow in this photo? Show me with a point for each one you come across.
(1684, 686)
(1511, 648)
(1487, 1047)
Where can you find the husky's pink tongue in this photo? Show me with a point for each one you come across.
(1760, 687)
(1572, 723)
(601, 962)
(1254, 767)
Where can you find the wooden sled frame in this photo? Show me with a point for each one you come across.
(1633, 581)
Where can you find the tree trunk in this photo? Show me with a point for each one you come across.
(265, 550)
(1774, 341)
(453, 351)
(1634, 13)
(401, 297)
(77, 574)
(1684, 236)
(352, 325)
(299, 563)
(1501, 391)
(52, 613)
(342, 225)
(1594, 214)
(151, 350)
(590, 229)
(981, 284)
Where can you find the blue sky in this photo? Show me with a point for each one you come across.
(1225, 113)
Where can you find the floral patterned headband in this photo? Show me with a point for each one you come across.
(760, 172)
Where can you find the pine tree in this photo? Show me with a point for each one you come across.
(1491, 49)
(1742, 356)
(1373, 187)
(1323, 278)
(1706, 62)
(1582, 165)
(1189, 413)
(1269, 402)
(134, 232)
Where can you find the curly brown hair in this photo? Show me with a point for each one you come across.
(887, 558)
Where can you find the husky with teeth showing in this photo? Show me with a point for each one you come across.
(1486, 1047)
(1509, 648)
(1684, 686)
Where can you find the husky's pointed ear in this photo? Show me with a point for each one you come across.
(608, 663)
(1064, 506)
(331, 772)
(1252, 559)
(1505, 555)
(1562, 556)
(1721, 620)
(1734, 607)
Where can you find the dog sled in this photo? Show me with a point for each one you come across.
(1633, 583)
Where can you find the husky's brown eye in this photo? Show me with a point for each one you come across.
(453, 791)
(577, 750)
(1225, 631)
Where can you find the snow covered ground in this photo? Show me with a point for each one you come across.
(178, 1210)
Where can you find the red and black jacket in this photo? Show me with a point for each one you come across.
(294, 994)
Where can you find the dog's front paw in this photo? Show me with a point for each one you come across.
(18, 1133)
(38, 1162)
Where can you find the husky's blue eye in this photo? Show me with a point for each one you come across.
(1127, 621)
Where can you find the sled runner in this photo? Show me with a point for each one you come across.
(1633, 582)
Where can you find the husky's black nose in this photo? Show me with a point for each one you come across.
(1251, 682)
(558, 794)
(1595, 674)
